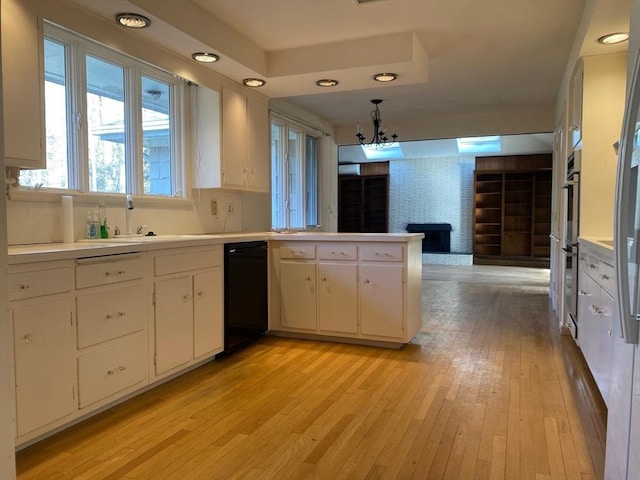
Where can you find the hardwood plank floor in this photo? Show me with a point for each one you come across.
(487, 389)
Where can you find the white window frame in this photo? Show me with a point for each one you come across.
(283, 182)
(77, 48)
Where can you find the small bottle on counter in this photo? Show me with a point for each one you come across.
(88, 226)
(94, 230)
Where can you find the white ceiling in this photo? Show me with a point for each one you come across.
(453, 56)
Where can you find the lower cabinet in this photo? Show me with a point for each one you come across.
(337, 304)
(348, 290)
(298, 295)
(596, 310)
(111, 369)
(188, 301)
(381, 300)
(44, 363)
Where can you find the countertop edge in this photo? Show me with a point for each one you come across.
(19, 254)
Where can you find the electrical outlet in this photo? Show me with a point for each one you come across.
(214, 207)
(230, 208)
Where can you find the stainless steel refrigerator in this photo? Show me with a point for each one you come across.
(623, 422)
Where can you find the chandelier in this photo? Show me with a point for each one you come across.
(379, 138)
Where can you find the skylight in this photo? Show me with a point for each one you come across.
(388, 152)
(479, 144)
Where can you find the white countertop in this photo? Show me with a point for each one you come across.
(110, 246)
(603, 246)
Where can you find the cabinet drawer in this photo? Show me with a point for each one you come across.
(298, 250)
(39, 282)
(184, 261)
(104, 272)
(382, 253)
(111, 370)
(607, 277)
(337, 251)
(110, 314)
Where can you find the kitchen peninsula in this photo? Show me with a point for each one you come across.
(97, 322)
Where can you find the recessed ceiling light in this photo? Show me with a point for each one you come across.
(327, 82)
(205, 57)
(253, 82)
(612, 38)
(385, 77)
(132, 20)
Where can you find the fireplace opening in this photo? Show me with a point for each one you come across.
(437, 236)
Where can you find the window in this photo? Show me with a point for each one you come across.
(129, 139)
(294, 189)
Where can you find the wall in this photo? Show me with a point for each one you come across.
(433, 190)
(603, 107)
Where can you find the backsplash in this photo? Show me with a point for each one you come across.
(433, 190)
(40, 222)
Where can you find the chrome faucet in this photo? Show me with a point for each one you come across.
(127, 213)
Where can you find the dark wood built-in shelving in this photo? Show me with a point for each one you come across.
(363, 200)
(512, 210)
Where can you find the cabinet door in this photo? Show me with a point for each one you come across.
(587, 319)
(575, 105)
(44, 349)
(259, 161)
(208, 320)
(22, 85)
(298, 295)
(234, 138)
(605, 312)
(173, 323)
(381, 300)
(338, 297)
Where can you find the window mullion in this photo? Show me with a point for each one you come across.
(133, 129)
(79, 147)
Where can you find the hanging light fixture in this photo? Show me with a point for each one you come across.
(379, 138)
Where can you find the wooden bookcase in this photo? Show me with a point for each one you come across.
(512, 211)
(363, 200)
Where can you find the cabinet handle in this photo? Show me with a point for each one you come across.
(114, 315)
(604, 276)
(384, 254)
(582, 293)
(592, 266)
(121, 368)
(185, 298)
(24, 286)
(199, 294)
(308, 279)
(324, 279)
(29, 338)
(117, 272)
(338, 253)
(367, 282)
(253, 171)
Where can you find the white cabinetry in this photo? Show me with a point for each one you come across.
(245, 141)
(22, 85)
(111, 307)
(43, 328)
(298, 287)
(381, 300)
(575, 106)
(232, 140)
(596, 311)
(347, 289)
(188, 306)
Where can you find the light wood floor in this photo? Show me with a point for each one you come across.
(486, 390)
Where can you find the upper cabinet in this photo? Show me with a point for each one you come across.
(23, 85)
(575, 106)
(235, 155)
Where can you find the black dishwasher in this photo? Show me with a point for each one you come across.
(245, 293)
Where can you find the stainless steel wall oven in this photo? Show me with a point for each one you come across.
(572, 230)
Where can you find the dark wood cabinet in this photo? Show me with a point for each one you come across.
(512, 214)
(363, 203)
